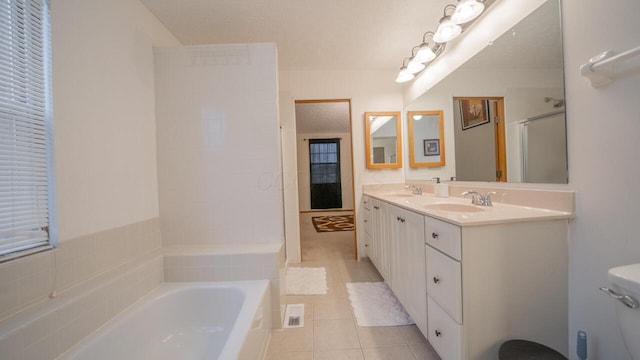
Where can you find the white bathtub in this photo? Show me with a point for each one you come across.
(198, 320)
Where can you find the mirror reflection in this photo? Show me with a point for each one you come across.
(426, 138)
(383, 143)
(524, 69)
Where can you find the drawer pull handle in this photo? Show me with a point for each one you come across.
(366, 221)
(436, 280)
(438, 333)
(434, 235)
(376, 207)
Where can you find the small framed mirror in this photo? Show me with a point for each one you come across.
(426, 138)
(382, 140)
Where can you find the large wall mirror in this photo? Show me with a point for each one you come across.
(426, 138)
(523, 68)
(383, 140)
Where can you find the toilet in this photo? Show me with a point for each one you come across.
(625, 289)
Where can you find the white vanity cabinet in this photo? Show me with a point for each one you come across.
(470, 287)
(487, 284)
(408, 267)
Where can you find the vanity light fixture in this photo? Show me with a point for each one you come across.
(404, 75)
(447, 30)
(456, 19)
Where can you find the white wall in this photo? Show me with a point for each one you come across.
(104, 113)
(304, 181)
(368, 91)
(603, 127)
(219, 169)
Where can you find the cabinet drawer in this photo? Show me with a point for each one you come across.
(445, 335)
(443, 236)
(444, 282)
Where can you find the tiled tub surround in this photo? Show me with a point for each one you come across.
(168, 323)
(230, 263)
(29, 280)
(50, 327)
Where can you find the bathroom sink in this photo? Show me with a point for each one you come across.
(454, 207)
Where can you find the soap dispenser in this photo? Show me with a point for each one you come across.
(439, 189)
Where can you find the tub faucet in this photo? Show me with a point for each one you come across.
(415, 189)
(478, 198)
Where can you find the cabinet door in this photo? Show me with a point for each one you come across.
(379, 243)
(408, 264)
(414, 268)
(397, 254)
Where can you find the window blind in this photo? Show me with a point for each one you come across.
(26, 177)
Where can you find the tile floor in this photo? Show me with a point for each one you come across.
(330, 331)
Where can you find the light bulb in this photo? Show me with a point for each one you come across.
(467, 10)
(447, 30)
(424, 54)
(415, 66)
(404, 75)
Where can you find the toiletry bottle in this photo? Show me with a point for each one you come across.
(439, 189)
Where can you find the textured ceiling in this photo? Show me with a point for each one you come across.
(310, 34)
(347, 35)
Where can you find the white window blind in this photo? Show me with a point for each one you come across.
(26, 176)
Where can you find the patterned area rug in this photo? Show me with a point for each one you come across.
(333, 223)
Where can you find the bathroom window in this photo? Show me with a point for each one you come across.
(27, 221)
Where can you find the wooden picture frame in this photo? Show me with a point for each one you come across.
(473, 112)
(431, 147)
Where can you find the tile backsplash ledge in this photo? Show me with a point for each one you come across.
(27, 281)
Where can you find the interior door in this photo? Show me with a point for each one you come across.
(324, 160)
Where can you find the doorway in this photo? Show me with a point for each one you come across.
(325, 182)
(325, 176)
(480, 139)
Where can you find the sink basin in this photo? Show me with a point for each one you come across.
(454, 207)
(400, 195)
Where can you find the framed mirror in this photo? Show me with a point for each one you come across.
(383, 141)
(426, 138)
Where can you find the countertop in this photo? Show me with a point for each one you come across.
(484, 215)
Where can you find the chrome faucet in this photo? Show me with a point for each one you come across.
(415, 189)
(478, 198)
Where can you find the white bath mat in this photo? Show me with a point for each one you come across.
(306, 281)
(294, 316)
(375, 305)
